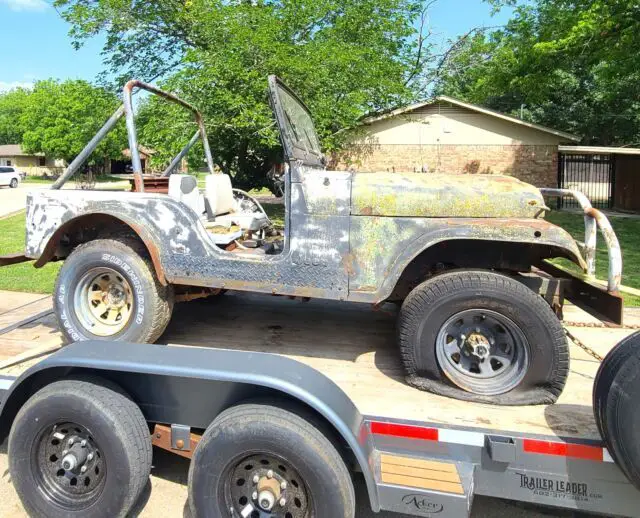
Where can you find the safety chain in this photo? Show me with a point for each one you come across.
(597, 325)
(583, 346)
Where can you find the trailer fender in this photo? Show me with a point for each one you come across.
(192, 385)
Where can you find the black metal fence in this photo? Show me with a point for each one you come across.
(593, 175)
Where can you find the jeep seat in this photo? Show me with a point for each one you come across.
(184, 188)
(222, 209)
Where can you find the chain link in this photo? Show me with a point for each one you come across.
(582, 345)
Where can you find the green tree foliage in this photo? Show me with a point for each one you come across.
(11, 107)
(346, 58)
(573, 64)
(59, 119)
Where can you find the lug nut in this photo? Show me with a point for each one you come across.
(71, 441)
(283, 502)
(64, 452)
(254, 495)
(90, 457)
(83, 443)
(270, 474)
(283, 485)
(83, 469)
(256, 479)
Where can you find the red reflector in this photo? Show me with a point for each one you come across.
(403, 430)
(563, 449)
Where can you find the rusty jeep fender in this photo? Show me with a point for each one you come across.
(377, 267)
(164, 225)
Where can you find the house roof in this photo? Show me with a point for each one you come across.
(472, 107)
(10, 150)
(598, 150)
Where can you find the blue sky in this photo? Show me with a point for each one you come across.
(35, 42)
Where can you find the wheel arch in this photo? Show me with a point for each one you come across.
(87, 227)
(172, 388)
(479, 244)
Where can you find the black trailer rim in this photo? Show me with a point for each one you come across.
(483, 352)
(68, 465)
(265, 486)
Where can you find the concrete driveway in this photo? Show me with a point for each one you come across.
(14, 200)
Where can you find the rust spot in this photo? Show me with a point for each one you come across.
(348, 263)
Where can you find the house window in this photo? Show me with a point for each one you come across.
(42, 161)
(9, 162)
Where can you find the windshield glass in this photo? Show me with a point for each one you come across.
(298, 124)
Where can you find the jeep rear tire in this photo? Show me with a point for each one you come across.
(107, 289)
(485, 337)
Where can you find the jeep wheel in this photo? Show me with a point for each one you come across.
(108, 289)
(485, 337)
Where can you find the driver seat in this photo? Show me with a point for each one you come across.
(222, 209)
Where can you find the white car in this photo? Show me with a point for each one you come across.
(11, 176)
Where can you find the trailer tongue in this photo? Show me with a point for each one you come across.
(270, 436)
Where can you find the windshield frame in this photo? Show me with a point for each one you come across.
(294, 149)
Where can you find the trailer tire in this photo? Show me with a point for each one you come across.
(125, 260)
(247, 441)
(615, 396)
(535, 359)
(114, 431)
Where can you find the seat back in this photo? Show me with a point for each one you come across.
(219, 195)
(184, 188)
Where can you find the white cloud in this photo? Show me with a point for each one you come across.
(5, 86)
(25, 5)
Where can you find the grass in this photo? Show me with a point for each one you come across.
(628, 231)
(23, 277)
(107, 178)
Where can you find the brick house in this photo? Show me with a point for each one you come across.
(445, 135)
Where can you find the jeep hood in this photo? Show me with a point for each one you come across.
(443, 196)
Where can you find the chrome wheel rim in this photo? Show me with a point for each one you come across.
(482, 351)
(104, 302)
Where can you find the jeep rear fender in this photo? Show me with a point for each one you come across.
(383, 248)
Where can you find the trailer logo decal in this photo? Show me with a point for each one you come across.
(553, 488)
(422, 504)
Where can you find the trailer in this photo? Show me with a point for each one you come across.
(273, 436)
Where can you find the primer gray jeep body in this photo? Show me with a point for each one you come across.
(365, 237)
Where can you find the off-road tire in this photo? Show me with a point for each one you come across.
(430, 304)
(117, 426)
(153, 301)
(266, 429)
(14, 183)
(615, 402)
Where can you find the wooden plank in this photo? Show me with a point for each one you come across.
(422, 483)
(392, 469)
(432, 465)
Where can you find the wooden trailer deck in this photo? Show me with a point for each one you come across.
(355, 347)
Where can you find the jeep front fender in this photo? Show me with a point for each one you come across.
(381, 248)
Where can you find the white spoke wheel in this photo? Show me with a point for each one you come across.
(107, 289)
(104, 301)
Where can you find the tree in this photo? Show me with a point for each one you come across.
(11, 107)
(346, 58)
(570, 63)
(59, 119)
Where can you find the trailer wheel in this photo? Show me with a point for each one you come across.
(485, 337)
(615, 400)
(258, 460)
(78, 449)
(107, 289)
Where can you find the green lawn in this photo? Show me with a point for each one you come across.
(628, 232)
(48, 180)
(22, 277)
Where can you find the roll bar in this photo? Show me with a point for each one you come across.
(126, 109)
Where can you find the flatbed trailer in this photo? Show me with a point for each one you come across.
(420, 454)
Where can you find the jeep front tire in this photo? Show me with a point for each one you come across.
(107, 289)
